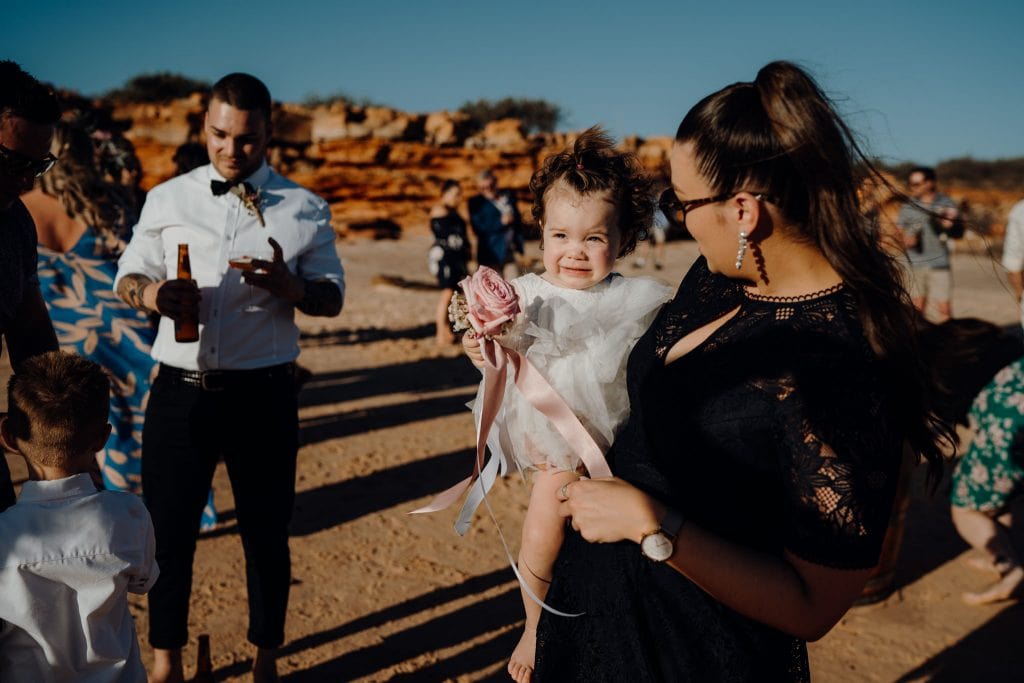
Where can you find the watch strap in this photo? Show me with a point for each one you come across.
(672, 522)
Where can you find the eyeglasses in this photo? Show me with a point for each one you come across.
(20, 166)
(675, 211)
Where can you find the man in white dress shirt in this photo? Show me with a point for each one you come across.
(230, 395)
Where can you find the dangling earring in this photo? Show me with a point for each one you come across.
(742, 250)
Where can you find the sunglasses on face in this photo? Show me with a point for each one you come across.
(20, 166)
(675, 211)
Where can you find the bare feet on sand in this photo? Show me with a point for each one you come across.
(989, 564)
(520, 666)
(1010, 586)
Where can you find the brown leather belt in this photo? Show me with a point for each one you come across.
(219, 380)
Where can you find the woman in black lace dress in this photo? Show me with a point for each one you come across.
(449, 254)
(770, 401)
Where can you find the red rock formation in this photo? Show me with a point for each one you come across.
(379, 168)
(382, 169)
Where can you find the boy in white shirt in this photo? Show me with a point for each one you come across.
(69, 553)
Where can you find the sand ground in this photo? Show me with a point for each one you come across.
(379, 595)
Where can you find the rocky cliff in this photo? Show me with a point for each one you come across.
(380, 169)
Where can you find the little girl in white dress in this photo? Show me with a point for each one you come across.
(579, 322)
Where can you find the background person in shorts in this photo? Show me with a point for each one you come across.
(923, 221)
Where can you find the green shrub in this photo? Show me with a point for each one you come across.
(157, 87)
(317, 100)
(998, 174)
(536, 115)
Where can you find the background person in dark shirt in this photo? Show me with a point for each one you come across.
(28, 110)
(497, 226)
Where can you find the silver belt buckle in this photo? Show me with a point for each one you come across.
(211, 381)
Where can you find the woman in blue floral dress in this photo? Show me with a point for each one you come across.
(83, 222)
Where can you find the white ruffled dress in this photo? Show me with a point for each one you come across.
(579, 340)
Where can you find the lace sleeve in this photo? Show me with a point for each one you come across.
(842, 458)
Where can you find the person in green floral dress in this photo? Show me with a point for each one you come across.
(989, 478)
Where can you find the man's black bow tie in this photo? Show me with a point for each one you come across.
(220, 187)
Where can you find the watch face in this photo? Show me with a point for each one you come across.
(656, 546)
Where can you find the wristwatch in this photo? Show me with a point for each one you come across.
(659, 545)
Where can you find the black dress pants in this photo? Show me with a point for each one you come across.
(252, 423)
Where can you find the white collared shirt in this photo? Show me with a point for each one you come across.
(69, 555)
(184, 210)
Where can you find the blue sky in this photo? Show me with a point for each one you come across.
(919, 81)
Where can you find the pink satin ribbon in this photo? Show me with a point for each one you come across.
(535, 389)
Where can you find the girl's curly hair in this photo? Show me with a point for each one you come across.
(593, 165)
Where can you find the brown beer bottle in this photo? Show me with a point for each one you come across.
(204, 667)
(185, 330)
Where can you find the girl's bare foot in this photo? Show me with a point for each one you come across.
(167, 667)
(1006, 588)
(520, 666)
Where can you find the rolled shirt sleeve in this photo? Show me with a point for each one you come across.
(320, 261)
(144, 254)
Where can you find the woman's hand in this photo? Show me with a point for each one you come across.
(609, 510)
(471, 345)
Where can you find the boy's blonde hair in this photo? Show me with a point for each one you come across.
(57, 408)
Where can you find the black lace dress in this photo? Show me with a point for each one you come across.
(450, 252)
(776, 433)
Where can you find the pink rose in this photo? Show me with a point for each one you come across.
(491, 301)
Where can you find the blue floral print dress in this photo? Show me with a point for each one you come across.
(91, 320)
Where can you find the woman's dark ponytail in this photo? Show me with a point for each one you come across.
(782, 136)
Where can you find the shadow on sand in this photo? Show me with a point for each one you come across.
(364, 335)
(991, 653)
(423, 376)
(449, 630)
(325, 427)
(930, 539)
(445, 631)
(340, 502)
(343, 501)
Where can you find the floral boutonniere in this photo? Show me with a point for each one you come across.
(252, 200)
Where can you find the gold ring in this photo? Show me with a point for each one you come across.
(564, 492)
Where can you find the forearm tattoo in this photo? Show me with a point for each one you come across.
(322, 297)
(130, 290)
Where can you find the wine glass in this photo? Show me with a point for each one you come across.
(243, 259)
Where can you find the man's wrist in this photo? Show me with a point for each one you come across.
(149, 292)
(132, 290)
(320, 298)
